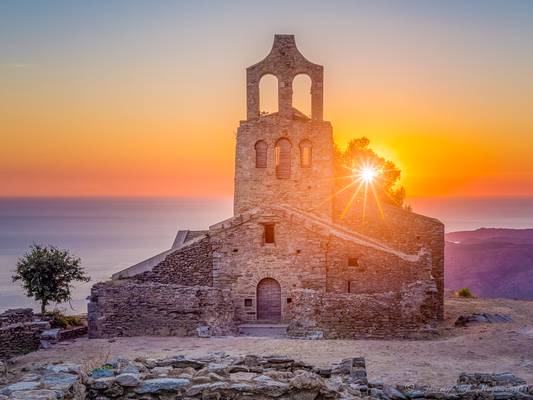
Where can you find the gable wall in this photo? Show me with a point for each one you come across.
(241, 260)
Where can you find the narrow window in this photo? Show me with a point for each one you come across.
(348, 286)
(269, 233)
(283, 159)
(306, 152)
(261, 154)
(353, 262)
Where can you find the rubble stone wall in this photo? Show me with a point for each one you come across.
(20, 338)
(353, 268)
(401, 229)
(129, 308)
(189, 266)
(350, 316)
(16, 315)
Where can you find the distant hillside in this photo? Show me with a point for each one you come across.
(492, 262)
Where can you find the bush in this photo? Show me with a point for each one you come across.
(465, 292)
(59, 320)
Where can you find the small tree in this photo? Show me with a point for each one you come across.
(46, 273)
(357, 151)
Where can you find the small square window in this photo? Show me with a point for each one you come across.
(289, 300)
(353, 262)
(248, 302)
(269, 233)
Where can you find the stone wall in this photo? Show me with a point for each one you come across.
(242, 259)
(20, 338)
(307, 188)
(16, 315)
(307, 255)
(129, 308)
(354, 268)
(189, 266)
(352, 316)
(401, 229)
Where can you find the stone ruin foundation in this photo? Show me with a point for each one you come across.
(219, 376)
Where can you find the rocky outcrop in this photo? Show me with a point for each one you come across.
(128, 308)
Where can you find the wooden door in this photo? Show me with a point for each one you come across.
(268, 300)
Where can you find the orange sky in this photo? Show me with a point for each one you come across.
(145, 100)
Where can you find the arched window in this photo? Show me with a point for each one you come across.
(301, 93)
(306, 153)
(268, 94)
(283, 159)
(261, 154)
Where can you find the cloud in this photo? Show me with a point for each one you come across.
(16, 65)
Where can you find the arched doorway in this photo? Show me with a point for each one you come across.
(268, 300)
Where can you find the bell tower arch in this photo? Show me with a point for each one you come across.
(285, 62)
(282, 177)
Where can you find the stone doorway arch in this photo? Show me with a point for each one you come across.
(268, 300)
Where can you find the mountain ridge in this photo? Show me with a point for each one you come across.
(491, 262)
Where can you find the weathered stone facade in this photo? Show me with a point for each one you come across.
(286, 254)
(127, 308)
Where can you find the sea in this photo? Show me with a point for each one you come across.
(110, 234)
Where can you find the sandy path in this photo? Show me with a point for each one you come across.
(482, 348)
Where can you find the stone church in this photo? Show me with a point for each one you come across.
(286, 256)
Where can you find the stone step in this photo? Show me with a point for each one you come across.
(263, 330)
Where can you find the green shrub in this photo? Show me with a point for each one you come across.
(465, 292)
(59, 320)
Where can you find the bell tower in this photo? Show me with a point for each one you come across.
(284, 157)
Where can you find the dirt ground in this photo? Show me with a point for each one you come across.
(436, 362)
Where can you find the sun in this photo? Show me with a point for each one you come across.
(367, 174)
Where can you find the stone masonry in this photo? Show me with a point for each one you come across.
(292, 253)
(243, 377)
(19, 332)
(127, 308)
